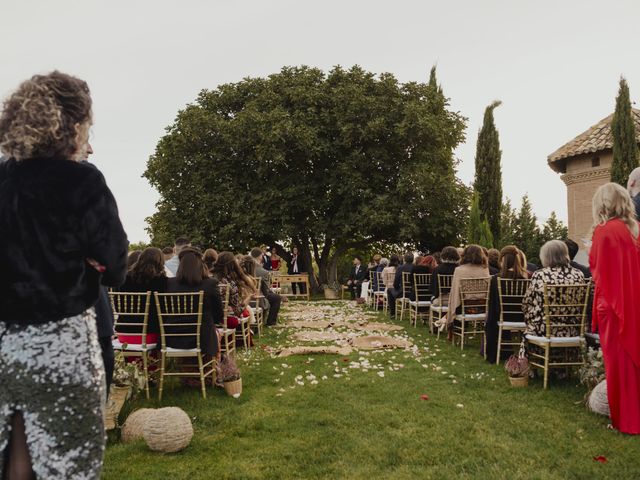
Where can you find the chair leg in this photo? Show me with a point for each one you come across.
(202, 379)
(161, 386)
(546, 366)
(499, 345)
(145, 370)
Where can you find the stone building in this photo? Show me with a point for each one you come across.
(585, 163)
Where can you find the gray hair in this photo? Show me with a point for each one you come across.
(633, 185)
(554, 253)
(384, 261)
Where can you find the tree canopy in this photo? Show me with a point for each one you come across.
(327, 161)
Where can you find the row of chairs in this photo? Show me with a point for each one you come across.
(565, 306)
(179, 316)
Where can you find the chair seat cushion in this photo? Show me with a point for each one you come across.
(472, 316)
(180, 350)
(133, 347)
(439, 308)
(421, 303)
(565, 341)
(512, 324)
(226, 331)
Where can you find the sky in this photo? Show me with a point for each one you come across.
(554, 65)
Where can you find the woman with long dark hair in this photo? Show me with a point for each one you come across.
(241, 286)
(60, 238)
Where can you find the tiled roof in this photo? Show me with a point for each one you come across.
(595, 139)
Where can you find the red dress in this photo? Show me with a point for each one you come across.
(615, 264)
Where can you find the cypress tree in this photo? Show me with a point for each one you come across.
(488, 178)
(625, 147)
(527, 235)
(478, 230)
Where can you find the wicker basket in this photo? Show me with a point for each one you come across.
(117, 397)
(134, 425)
(519, 382)
(168, 430)
(233, 388)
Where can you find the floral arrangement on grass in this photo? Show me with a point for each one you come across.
(127, 374)
(517, 366)
(592, 372)
(229, 371)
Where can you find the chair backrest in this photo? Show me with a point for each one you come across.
(407, 284)
(255, 300)
(388, 278)
(131, 313)
(224, 297)
(565, 307)
(180, 316)
(422, 286)
(510, 293)
(474, 295)
(378, 284)
(444, 287)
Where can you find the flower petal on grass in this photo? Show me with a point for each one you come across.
(424, 396)
(600, 458)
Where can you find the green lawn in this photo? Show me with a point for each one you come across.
(364, 426)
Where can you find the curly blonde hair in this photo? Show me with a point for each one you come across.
(42, 117)
(613, 201)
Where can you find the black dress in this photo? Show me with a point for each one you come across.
(442, 269)
(212, 314)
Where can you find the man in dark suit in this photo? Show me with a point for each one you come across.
(356, 277)
(397, 290)
(297, 266)
(573, 251)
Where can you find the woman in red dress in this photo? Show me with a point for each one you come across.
(615, 263)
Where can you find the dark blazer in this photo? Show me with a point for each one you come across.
(266, 262)
(397, 281)
(636, 202)
(585, 270)
(301, 266)
(442, 269)
(104, 314)
(361, 276)
(54, 215)
(157, 284)
(212, 314)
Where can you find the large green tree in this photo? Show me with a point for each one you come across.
(526, 233)
(329, 162)
(488, 177)
(478, 230)
(625, 146)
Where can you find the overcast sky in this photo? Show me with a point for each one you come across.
(555, 66)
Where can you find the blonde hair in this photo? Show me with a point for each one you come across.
(47, 116)
(613, 201)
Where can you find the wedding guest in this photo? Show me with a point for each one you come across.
(266, 258)
(357, 275)
(449, 259)
(210, 257)
(512, 266)
(474, 264)
(167, 253)
(173, 263)
(633, 185)
(146, 275)
(573, 251)
(60, 238)
(132, 258)
(615, 263)
(398, 290)
(296, 267)
(389, 272)
(378, 282)
(493, 255)
(241, 287)
(273, 299)
(193, 276)
(276, 262)
(555, 270)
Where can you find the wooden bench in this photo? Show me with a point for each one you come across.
(303, 278)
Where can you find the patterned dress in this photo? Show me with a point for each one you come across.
(533, 302)
(53, 374)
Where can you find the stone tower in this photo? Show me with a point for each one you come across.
(585, 163)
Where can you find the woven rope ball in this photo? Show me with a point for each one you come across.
(168, 430)
(134, 426)
(598, 401)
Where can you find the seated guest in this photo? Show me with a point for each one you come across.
(556, 271)
(167, 253)
(132, 258)
(427, 265)
(474, 264)
(389, 272)
(358, 275)
(241, 287)
(513, 266)
(146, 275)
(173, 263)
(573, 251)
(493, 254)
(398, 291)
(449, 259)
(378, 286)
(192, 276)
(375, 261)
(209, 258)
(272, 299)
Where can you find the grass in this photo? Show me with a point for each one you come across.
(362, 426)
